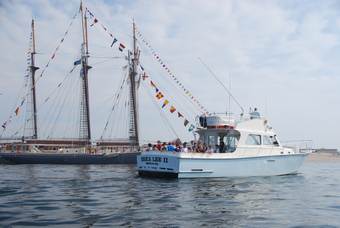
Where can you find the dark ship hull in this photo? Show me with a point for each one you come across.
(68, 159)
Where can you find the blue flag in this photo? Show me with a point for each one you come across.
(77, 62)
(114, 41)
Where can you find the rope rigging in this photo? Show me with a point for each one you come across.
(115, 102)
(165, 120)
(25, 96)
(187, 93)
(169, 73)
(63, 95)
(16, 106)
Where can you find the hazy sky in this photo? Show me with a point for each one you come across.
(281, 56)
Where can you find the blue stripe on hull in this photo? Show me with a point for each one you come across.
(71, 159)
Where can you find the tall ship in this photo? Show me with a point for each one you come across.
(30, 148)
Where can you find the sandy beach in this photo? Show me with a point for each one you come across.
(317, 157)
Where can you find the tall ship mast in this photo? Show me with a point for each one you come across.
(84, 126)
(74, 144)
(133, 62)
(31, 129)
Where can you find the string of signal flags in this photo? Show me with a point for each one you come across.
(122, 46)
(159, 95)
(53, 55)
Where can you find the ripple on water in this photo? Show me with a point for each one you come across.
(41, 195)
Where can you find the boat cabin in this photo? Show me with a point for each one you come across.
(224, 135)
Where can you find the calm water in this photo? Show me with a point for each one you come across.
(86, 196)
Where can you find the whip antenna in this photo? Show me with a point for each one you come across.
(221, 83)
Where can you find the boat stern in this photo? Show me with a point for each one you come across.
(158, 164)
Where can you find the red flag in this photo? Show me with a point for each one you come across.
(121, 47)
(144, 76)
(17, 111)
(172, 109)
(152, 84)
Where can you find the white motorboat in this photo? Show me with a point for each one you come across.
(243, 148)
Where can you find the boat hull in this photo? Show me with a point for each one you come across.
(68, 159)
(192, 167)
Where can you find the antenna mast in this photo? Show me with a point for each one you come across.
(134, 138)
(84, 127)
(221, 83)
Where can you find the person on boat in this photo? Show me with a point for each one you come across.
(170, 147)
(178, 145)
(190, 149)
(199, 146)
(210, 149)
(205, 148)
(159, 145)
(255, 114)
(149, 148)
(221, 148)
(184, 149)
(164, 146)
(194, 146)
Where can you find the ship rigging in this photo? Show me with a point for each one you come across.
(39, 135)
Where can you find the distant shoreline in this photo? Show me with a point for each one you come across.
(323, 156)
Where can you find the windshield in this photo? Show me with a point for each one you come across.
(228, 143)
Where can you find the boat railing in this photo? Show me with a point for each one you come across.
(34, 149)
(116, 149)
(237, 117)
(299, 146)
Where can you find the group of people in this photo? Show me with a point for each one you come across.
(177, 146)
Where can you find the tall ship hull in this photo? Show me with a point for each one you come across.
(68, 159)
(68, 152)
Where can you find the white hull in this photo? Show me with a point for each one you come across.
(187, 166)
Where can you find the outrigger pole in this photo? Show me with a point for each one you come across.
(84, 127)
(134, 137)
(33, 69)
(221, 83)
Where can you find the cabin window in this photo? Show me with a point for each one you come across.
(230, 143)
(266, 140)
(253, 139)
(227, 143)
(270, 140)
(275, 141)
(212, 140)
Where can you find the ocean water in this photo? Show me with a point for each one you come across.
(112, 195)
